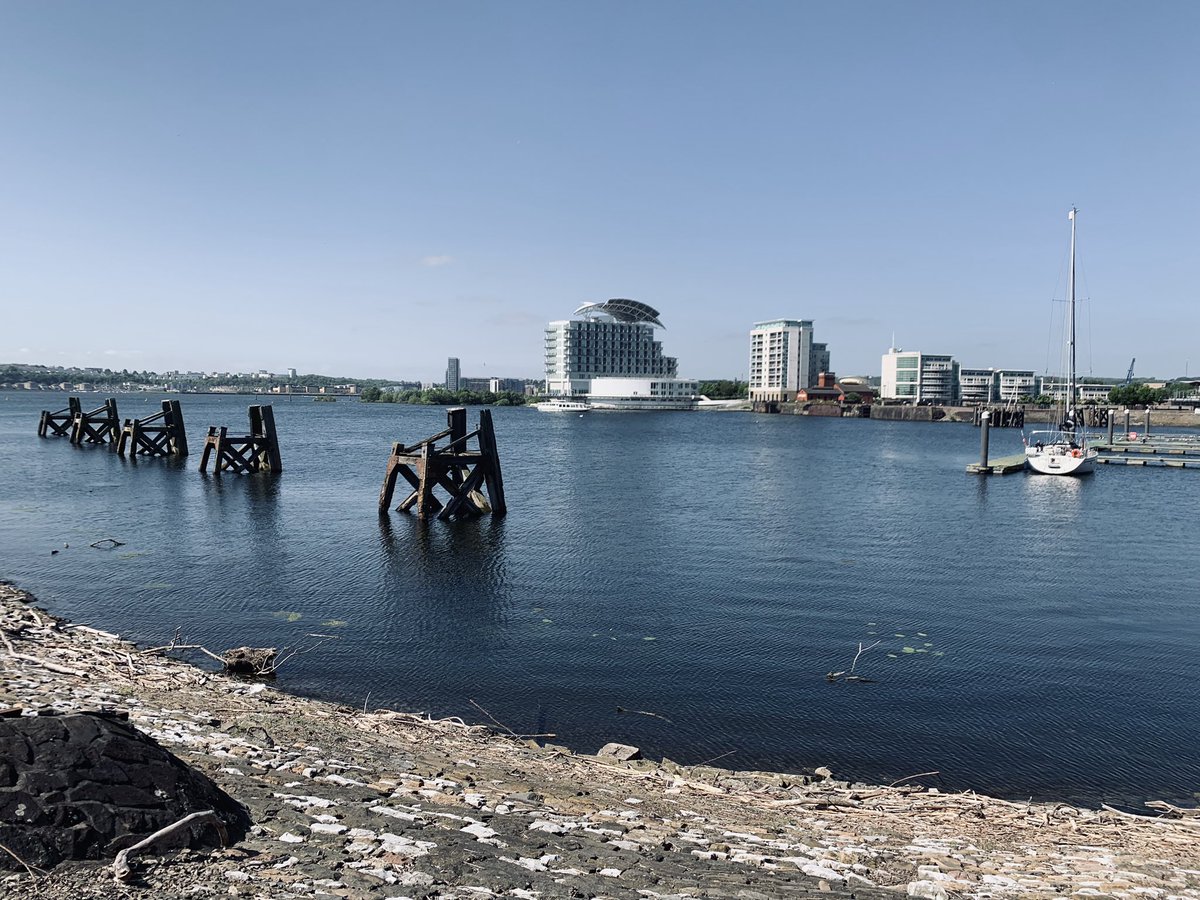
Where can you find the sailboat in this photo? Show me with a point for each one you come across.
(1064, 450)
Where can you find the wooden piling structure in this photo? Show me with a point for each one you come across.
(59, 422)
(460, 472)
(99, 426)
(160, 435)
(999, 416)
(256, 452)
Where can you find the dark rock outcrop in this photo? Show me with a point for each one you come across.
(85, 786)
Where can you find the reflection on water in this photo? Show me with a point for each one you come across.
(1037, 634)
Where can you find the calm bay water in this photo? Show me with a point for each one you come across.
(709, 568)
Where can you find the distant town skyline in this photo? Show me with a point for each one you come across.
(368, 189)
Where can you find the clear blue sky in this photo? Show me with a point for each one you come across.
(366, 188)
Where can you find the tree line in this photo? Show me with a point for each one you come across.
(442, 397)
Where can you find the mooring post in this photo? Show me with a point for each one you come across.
(1112, 421)
(984, 425)
(1147, 428)
(1126, 423)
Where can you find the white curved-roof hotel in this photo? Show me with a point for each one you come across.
(608, 356)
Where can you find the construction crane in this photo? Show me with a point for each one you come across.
(1129, 374)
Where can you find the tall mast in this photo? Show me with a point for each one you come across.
(1071, 326)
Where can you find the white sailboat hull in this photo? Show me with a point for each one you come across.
(1059, 459)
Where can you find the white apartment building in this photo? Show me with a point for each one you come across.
(1016, 384)
(1055, 387)
(977, 386)
(919, 377)
(609, 358)
(784, 359)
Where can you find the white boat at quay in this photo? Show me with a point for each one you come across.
(562, 404)
(1064, 450)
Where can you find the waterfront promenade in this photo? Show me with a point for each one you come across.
(375, 803)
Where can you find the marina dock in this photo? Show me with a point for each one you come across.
(1170, 451)
(1004, 465)
(1174, 451)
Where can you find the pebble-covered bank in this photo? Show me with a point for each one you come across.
(354, 803)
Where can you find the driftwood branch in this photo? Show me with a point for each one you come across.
(644, 712)
(911, 777)
(173, 646)
(122, 871)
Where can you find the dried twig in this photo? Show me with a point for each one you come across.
(121, 868)
(1179, 811)
(861, 651)
(1151, 820)
(911, 777)
(295, 651)
(490, 716)
(45, 664)
(173, 646)
(33, 871)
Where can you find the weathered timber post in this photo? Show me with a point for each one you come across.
(494, 479)
(256, 452)
(427, 504)
(455, 468)
(394, 467)
(59, 422)
(99, 426)
(269, 435)
(456, 422)
(160, 435)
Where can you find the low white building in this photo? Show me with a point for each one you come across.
(1017, 384)
(1055, 388)
(916, 377)
(977, 386)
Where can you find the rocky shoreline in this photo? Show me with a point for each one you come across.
(383, 804)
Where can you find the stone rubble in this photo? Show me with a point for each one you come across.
(384, 804)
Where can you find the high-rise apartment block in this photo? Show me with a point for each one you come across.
(784, 359)
(453, 378)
